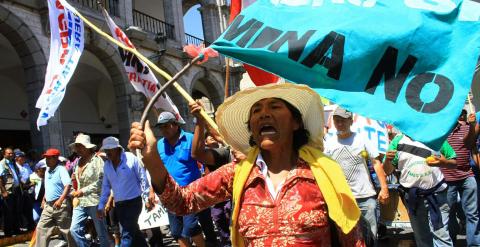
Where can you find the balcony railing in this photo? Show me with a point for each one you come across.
(153, 25)
(110, 5)
(190, 39)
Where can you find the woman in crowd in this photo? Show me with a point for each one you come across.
(286, 192)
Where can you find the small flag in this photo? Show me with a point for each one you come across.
(66, 47)
(141, 77)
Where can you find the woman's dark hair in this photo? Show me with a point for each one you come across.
(300, 136)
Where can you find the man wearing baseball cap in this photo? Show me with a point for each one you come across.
(175, 150)
(27, 196)
(38, 182)
(127, 179)
(56, 209)
(353, 153)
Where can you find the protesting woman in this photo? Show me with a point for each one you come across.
(286, 192)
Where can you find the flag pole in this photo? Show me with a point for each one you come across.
(470, 102)
(477, 68)
(160, 92)
(153, 66)
(164, 87)
(227, 76)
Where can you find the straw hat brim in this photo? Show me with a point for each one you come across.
(232, 116)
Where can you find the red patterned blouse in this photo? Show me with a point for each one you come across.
(296, 217)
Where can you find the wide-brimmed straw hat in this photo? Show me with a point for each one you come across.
(232, 116)
(83, 140)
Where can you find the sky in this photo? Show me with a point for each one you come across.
(193, 22)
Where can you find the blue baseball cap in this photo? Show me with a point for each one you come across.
(41, 164)
(19, 153)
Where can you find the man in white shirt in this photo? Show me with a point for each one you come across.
(353, 152)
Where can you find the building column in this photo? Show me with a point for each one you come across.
(174, 15)
(126, 11)
(214, 19)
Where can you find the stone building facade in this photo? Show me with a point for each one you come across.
(99, 99)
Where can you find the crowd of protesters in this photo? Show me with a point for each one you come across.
(97, 194)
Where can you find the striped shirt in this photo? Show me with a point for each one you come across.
(455, 139)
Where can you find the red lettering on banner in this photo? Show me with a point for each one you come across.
(153, 88)
(122, 37)
(62, 23)
(146, 84)
(49, 90)
(132, 76)
(58, 5)
(62, 57)
(64, 39)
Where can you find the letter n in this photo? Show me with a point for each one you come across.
(236, 30)
(386, 68)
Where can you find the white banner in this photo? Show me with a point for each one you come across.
(375, 131)
(66, 47)
(139, 74)
(154, 218)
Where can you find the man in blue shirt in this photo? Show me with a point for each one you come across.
(27, 195)
(11, 193)
(175, 151)
(127, 179)
(56, 207)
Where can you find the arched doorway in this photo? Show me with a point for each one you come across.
(14, 112)
(22, 70)
(209, 89)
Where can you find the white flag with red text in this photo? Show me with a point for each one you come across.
(66, 47)
(139, 74)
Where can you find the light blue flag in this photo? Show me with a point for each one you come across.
(407, 62)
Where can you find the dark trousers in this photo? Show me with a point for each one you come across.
(205, 219)
(128, 212)
(11, 211)
(157, 238)
(221, 218)
(27, 211)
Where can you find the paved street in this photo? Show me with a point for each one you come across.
(396, 237)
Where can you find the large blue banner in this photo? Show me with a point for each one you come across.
(407, 62)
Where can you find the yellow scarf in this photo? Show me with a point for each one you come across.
(342, 207)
